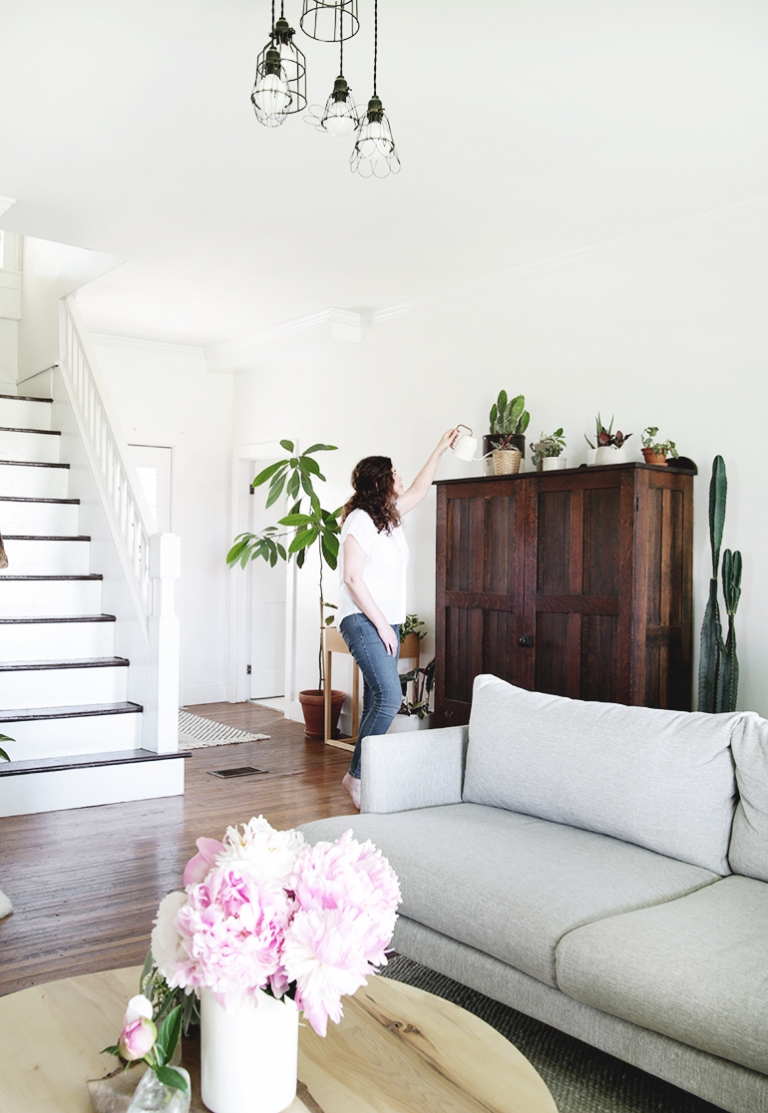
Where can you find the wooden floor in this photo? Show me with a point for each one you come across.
(85, 884)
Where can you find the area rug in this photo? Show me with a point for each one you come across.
(196, 732)
(580, 1078)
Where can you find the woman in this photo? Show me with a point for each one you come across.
(372, 569)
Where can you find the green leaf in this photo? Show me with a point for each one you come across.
(303, 539)
(306, 483)
(281, 551)
(331, 542)
(3, 755)
(309, 465)
(263, 476)
(170, 1077)
(169, 1034)
(113, 1049)
(300, 557)
(320, 448)
(275, 491)
(296, 520)
(718, 491)
(292, 487)
(287, 445)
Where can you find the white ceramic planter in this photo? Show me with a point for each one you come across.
(248, 1054)
(554, 463)
(609, 454)
(403, 723)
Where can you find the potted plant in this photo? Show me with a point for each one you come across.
(509, 420)
(296, 476)
(547, 452)
(609, 445)
(506, 457)
(654, 451)
(414, 713)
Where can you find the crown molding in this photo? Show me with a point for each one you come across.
(5, 204)
(133, 344)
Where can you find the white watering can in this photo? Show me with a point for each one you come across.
(465, 446)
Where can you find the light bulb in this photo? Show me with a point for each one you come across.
(370, 145)
(339, 122)
(271, 95)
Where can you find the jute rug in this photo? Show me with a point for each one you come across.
(580, 1078)
(195, 732)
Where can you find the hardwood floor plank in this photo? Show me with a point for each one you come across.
(86, 883)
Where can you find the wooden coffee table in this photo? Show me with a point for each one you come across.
(397, 1050)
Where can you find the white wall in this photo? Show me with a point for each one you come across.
(164, 396)
(668, 328)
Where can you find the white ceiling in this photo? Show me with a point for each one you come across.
(526, 128)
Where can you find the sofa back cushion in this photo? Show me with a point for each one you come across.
(748, 852)
(663, 780)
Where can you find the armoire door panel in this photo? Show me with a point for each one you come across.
(503, 656)
(464, 538)
(463, 652)
(598, 658)
(601, 540)
(503, 547)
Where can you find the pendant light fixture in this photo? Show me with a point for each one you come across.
(280, 85)
(374, 154)
(339, 117)
(329, 21)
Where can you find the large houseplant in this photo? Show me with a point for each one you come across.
(306, 524)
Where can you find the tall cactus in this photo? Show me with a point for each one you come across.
(718, 663)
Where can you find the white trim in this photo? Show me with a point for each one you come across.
(132, 343)
(5, 204)
(239, 617)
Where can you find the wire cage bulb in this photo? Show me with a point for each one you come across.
(329, 21)
(374, 155)
(280, 86)
(271, 96)
(340, 115)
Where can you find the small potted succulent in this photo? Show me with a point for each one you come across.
(609, 446)
(547, 453)
(509, 420)
(655, 451)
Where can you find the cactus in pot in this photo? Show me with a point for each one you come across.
(718, 662)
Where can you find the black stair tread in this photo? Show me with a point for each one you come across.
(42, 432)
(26, 398)
(44, 537)
(86, 761)
(6, 621)
(30, 464)
(28, 498)
(70, 663)
(90, 576)
(75, 711)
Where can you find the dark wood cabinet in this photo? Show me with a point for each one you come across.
(575, 582)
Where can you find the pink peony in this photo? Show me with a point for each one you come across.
(197, 867)
(137, 1039)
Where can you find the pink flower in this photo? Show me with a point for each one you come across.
(137, 1039)
(347, 874)
(197, 867)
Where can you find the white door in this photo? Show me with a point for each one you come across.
(153, 467)
(267, 603)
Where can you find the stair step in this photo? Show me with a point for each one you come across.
(88, 779)
(48, 556)
(39, 517)
(54, 732)
(34, 480)
(38, 596)
(76, 637)
(38, 684)
(30, 413)
(32, 555)
(39, 446)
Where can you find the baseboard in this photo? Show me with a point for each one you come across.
(191, 694)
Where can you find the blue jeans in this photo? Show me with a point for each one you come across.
(382, 694)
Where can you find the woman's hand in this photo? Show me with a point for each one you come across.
(421, 484)
(448, 440)
(390, 639)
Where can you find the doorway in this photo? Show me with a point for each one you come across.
(154, 468)
(266, 606)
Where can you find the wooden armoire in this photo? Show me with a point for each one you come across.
(574, 582)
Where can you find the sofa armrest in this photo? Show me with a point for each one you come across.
(418, 769)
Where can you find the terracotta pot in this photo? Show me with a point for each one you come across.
(313, 706)
(653, 457)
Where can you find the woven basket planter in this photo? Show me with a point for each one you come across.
(506, 461)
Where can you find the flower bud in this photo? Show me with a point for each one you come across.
(137, 1039)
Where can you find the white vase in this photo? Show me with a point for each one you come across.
(554, 463)
(609, 454)
(248, 1054)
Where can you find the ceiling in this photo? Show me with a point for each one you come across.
(526, 128)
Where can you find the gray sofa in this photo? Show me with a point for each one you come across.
(599, 867)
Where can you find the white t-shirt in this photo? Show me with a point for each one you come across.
(384, 571)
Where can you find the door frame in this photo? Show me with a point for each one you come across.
(245, 457)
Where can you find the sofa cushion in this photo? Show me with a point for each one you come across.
(512, 885)
(748, 853)
(661, 779)
(695, 969)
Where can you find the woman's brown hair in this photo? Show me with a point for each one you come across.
(374, 482)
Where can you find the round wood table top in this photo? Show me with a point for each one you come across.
(397, 1050)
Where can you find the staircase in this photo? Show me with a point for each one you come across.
(77, 738)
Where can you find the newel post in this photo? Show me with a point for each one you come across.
(161, 713)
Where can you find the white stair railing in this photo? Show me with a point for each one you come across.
(149, 561)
